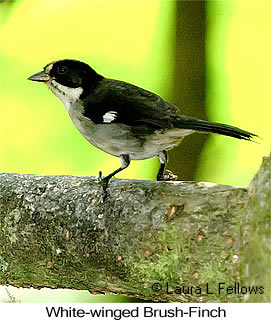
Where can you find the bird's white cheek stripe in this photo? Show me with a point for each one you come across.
(109, 116)
(72, 93)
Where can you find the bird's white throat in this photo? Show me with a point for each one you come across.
(66, 94)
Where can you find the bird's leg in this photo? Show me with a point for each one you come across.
(163, 158)
(125, 162)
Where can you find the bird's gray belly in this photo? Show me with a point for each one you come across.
(112, 138)
(118, 139)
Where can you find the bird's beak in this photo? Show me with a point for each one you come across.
(40, 77)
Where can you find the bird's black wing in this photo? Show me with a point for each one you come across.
(115, 101)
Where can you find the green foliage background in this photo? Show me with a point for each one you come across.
(128, 40)
(238, 52)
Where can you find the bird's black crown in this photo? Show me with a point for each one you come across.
(73, 73)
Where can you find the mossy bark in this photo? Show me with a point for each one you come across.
(256, 251)
(159, 241)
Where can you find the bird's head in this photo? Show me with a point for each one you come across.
(68, 79)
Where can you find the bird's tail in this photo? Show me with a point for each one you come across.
(184, 122)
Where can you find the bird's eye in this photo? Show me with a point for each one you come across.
(62, 69)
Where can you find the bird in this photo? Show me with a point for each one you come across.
(122, 119)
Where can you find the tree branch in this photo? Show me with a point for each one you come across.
(59, 232)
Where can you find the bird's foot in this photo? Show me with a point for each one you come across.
(104, 181)
(168, 177)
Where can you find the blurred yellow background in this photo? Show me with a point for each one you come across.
(133, 41)
(238, 58)
(127, 40)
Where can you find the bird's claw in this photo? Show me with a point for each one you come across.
(103, 181)
(100, 176)
(169, 177)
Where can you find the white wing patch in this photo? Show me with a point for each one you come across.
(110, 116)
